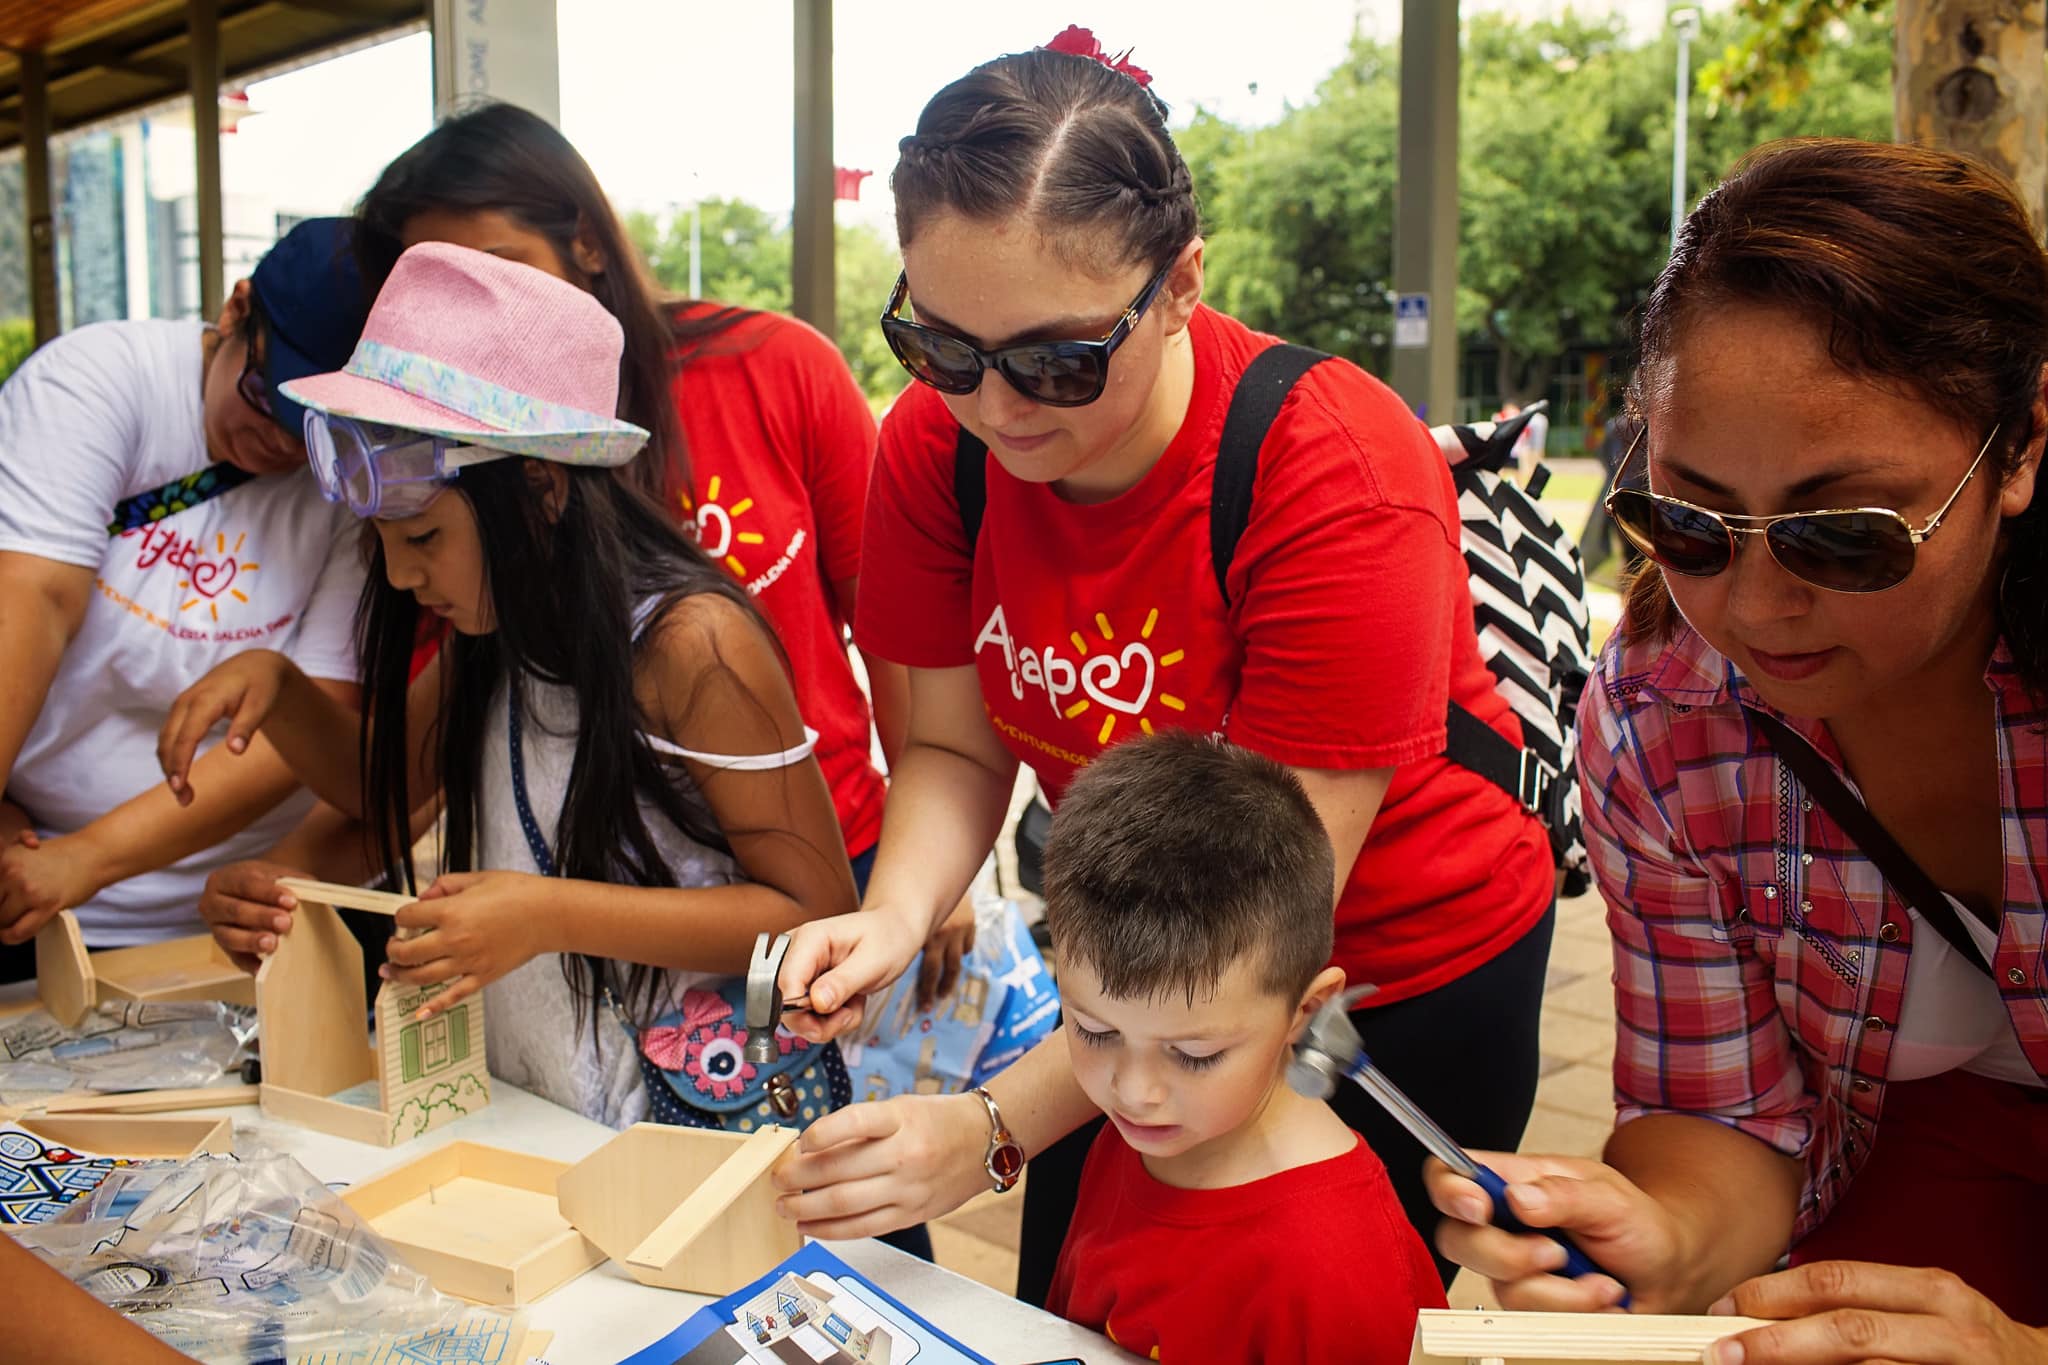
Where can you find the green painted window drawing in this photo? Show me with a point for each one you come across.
(435, 1045)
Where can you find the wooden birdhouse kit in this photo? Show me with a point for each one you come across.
(71, 982)
(322, 1065)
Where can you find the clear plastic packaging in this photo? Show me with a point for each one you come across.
(124, 1045)
(244, 1259)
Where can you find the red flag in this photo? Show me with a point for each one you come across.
(846, 183)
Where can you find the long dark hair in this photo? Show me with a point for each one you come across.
(1077, 146)
(499, 158)
(1923, 267)
(564, 592)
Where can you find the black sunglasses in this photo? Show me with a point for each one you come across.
(1841, 549)
(1060, 374)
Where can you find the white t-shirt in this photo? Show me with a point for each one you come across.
(97, 415)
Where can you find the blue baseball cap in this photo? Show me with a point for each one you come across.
(312, 297)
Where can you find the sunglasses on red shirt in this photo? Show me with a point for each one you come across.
(1060, 374)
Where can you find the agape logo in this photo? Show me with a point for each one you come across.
(1123, 681)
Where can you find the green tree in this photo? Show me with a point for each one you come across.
(866, 267)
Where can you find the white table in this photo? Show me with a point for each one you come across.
(605, 1315)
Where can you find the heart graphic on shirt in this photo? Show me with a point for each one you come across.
(1104, 674)
(714, 545)
(211, 577)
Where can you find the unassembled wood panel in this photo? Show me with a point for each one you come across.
(1456, 1337)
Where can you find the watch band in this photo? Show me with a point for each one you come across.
(1004, 1159)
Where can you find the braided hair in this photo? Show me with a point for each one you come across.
(1076, 147)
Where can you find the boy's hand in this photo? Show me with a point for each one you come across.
(469, 928)
(873, 1168)
(247, 911)
(1610, 1219)
(242, 690)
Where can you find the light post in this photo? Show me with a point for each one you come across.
(1685, 23)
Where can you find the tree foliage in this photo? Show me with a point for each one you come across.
(1773, 54)
(745, 259)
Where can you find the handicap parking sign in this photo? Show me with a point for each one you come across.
(1411, 320)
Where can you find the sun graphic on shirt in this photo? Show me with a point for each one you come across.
(1122, 681)
(717, 526)
(208, 580)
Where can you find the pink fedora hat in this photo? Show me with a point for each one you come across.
(477, 349)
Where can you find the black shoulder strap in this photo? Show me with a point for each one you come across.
(1261, 390)
(1894, 863)
(970, 484)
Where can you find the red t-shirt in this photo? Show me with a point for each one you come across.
(1313, 1264)
(780, 442)
(1349, 628)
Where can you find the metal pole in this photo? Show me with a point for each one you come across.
(202, 19)
(1687, 24)
(1424, 368)
(811, 268)
(35, 166)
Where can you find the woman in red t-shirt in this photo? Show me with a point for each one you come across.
(1049, 235)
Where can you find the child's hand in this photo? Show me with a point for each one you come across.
(247, 911)
(243, 690)
(469, 928)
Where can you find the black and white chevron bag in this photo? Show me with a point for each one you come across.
(1529, 605)
(1528, 596)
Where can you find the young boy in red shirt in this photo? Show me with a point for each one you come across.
(1221, 1216)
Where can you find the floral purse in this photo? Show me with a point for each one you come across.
(694, 1059)
(695, 1064)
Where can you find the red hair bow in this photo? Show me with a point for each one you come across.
(1082, 43)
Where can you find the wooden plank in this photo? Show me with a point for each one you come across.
(64, 979)
(109, 1135)
(345, 897)
(190, 968)
(150, 1101)
(327, 1116)
(712, 1199)
(1456, 1337)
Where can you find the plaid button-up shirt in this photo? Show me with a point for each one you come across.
(1759, 958)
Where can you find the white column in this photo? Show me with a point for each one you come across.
(497, 50)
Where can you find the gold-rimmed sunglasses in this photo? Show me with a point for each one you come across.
(1841, 549)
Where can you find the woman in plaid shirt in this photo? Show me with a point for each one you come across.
(1802, 1061)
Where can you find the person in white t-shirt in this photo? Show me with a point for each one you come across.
(156, 517)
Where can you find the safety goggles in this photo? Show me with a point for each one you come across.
(1841, 549)
(385, 472)
(1060, 374)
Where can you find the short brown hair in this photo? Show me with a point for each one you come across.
(1921, 268)
(1061, 138)
(1174, 855)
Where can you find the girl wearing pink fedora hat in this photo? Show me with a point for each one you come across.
(628, 788)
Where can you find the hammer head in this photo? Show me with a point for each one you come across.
(764, 997)
(1328, 1048)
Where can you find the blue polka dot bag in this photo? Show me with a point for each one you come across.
(698, 1076)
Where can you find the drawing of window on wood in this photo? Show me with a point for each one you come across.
(406, 1077)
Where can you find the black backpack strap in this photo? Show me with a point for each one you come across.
(1893, 863)
(1261, 390)
(970, 484)
(1477, 747)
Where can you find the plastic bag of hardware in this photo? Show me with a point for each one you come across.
(246, 1259)
(125, 1045)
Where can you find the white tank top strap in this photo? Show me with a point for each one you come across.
(744, 763)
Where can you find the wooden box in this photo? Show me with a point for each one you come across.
(480, 1222)
(71, 981)
(47, 1163)
(1457, 1337)
(315, 1043)
(149, 1139)
(684, 1208)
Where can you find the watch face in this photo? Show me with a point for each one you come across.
(1006, 1161)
